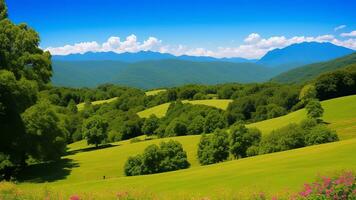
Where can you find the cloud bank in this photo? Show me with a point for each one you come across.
(253, 46)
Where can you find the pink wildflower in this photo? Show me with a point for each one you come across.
(74, 197)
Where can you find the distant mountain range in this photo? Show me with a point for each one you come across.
(142, 56)
(147, 69)
(154, 74)
(311, 71)
(302, 54)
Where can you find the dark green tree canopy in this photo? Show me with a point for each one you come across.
(3, 10)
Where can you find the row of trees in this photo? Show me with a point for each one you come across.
(218, 146)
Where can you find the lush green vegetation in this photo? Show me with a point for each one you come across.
(106, 127)
(169, 156)
(155, 74)
(312, 71)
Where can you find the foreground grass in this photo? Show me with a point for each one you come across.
(274, 173)
(161, 110)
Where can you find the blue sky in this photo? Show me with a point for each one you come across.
(192, 26)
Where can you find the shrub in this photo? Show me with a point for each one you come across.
(242, 138)
(285, 138)
(168, 157)
(214, 120)
(213, 148)
(95, 130)
(314, 109)
(342, 187)
(176, 128)
(320, 134)
(196, 126)
(150, 125)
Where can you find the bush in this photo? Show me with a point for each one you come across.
(150, 125)
(242, 138)
(95, 130)
(214, 120)
(285, 138)
(176, 128)
(213, 148)
(339, 187)
(320, 134)
(196, 126)
(169, 156)
(314, 109)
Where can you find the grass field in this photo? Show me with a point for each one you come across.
(154, 92)
(83, 169)
(161, 110)
(80, 106)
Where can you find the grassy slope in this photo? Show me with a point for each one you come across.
(154, 92)
(80, 106)
(160, 110)
(271, 173)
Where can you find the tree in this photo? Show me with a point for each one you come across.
(307, 92)
(213, 121)
(44, 136)
(314, 109)
(150, 125)
(176, 128)
(3, 10)
(320, 134)
(213, 148)
(133, 166)
(168, 156)
(174, 157)
(196, 126)
(95, 130)
(242, 138)
(285, 138)
(72, 106)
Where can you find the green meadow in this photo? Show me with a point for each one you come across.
(161, 110)
(80, 106)
(83, 169)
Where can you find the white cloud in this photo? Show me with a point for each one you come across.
(351, 34)
(339, 27)
(253, 46)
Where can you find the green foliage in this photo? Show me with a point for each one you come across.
(241, 139)
(150, 125)
(42, 129)
(309, 72)
(72, 106)
(176, 127)
(196, 126)
(314, 109)
(3, 10)
(169, 156)
(214, 120)
(95, 130)
(213, 148)
(320, 134)
(336, 84)
(308, 132)
(286, 138)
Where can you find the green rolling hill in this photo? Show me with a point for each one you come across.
(311, 71)
(82, 170)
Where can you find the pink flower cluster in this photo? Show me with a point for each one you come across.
(342, 187)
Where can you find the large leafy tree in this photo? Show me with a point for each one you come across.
(95, 130)
(241, 138)
(44, 132)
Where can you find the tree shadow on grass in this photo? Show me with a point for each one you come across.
(104, 146)
(47, 172)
